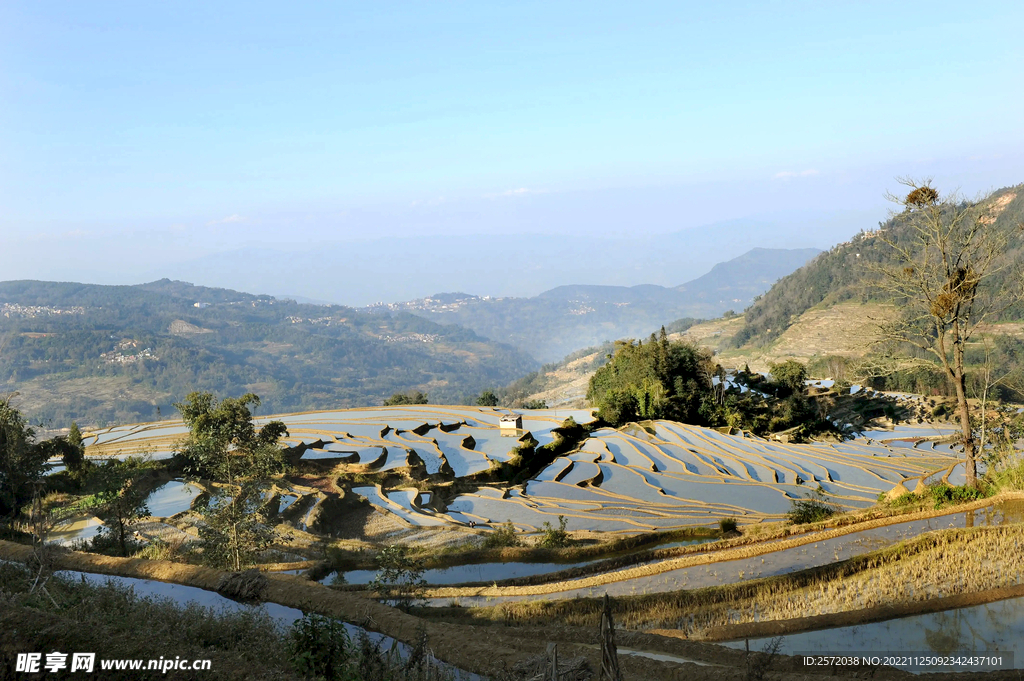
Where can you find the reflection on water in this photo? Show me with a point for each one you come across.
(173, 498)
(74, 529)
(993, 627)
(461, 574)
(779, 562)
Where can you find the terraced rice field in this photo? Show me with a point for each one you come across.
(626, 481)
(632, 480)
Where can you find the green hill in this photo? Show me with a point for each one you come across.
(103, 354)
(841, 274)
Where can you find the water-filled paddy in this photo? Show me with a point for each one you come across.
(171, 498)
(463, 574)
(399, 503)
(991, 628)
(284, 616)
(181, 595)
(779, 562)
(630, 480)
(75, 529)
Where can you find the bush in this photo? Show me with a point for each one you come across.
(399, 579)
(397, 399)
(320, 647)
(727, 525)
(789, 376)
(556, 538)
(1008, 476)
(814, 508)
(905, 499)
(944, 494)
(503, 535)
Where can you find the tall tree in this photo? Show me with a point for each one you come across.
(945, 275)
(225, 447)
(22, 461)
(122, 500)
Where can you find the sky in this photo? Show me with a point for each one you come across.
(140, 139)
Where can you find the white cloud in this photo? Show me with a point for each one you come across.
(226, 221)
(519, 191)
(788, 174)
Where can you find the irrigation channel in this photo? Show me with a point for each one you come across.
(714, 568)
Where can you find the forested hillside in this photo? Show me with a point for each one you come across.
(844, 272)
(104, 354)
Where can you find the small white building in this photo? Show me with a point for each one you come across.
(201, 306)
(510, 422)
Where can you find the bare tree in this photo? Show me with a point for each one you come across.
(946, 275)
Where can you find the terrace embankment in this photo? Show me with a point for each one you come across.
(484, 651)
(878, 613)
(695, 556)
(936, 571)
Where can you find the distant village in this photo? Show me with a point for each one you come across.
(15, 311)
(118, 356)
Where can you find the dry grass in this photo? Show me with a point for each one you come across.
(933, 565)
(597, 574)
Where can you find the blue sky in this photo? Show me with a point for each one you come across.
(262, 123)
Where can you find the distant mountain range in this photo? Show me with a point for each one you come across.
(567, 318)
(371, 269)
(120, 354)
(117, 354)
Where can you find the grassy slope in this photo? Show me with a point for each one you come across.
(841, 274)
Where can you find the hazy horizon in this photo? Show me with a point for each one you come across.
(272, 149)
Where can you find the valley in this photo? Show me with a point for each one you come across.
(709, 483)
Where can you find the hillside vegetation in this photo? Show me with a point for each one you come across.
(829, 313)
(104, 354)
(843, 273)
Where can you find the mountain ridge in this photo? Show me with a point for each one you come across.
(566, 318)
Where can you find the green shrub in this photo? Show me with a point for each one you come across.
(811, 509)
(727, 525)
(399, 580)
(1005, 471)
(503, 535)
(556, 538)
(320, 647)
(943, 494)
(905, 499)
